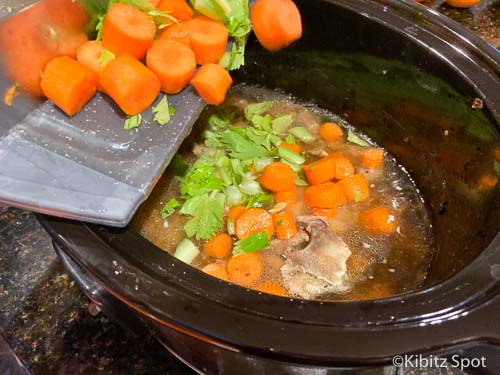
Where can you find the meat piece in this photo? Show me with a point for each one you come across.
(319, 268)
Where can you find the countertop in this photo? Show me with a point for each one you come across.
(54, 329)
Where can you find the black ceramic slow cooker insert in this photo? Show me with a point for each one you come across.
(407, 77)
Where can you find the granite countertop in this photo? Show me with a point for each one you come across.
(54, 329)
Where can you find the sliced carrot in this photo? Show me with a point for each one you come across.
(177, 32)
(462, 3)
(276, 23)
(378, 220)
(216, 270)
(372, 158)
(208, 39)
(68, 84)
(127, 30)
(235, 212)
(176, 74)
(343, 167)
(355, 188)
(219, 246)
(278, 176)
(10, 94)
(284, 225)
(320, 171)
(176, 8)
(487, 182)
(245, 269)
(289, 196)
(131, 85)
(326, 212)
(252, 221)
(292, 147)
(89, 53)
(330, 131)
(327, 195)
(271, 288)
(211, 82)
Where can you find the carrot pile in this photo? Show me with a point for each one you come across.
(141, 48)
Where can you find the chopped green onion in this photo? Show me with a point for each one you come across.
(186, 251)
(302, 134)
(353, 138)
(255, 242)
(291, 156)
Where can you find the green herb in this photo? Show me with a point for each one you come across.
(162, 112)
(281, 123)
(186, 251)
(96, 9)
(302, 134)
(106, 56)
(357, 196)
(207, 213)
(220, 121)
(133, 122)
(279, 222)
(262, 122)
(241, 148)
(290, 139)
(256, 109)
(211, 139)
(255, 242)
(260, 200)
(200, 179)
(236, 57)
(162, 19)
(353, 138)
(169, 208)
(291, 156)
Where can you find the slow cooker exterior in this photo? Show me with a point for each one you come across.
(201, 316)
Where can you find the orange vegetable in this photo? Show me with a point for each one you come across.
(211, 82)
(235, 212)
(155, 3)
(217, 270)
(271, 288)
(343, 167)
(284, 225)
(131, 85)
(330, 131)
(327, 195)
(68, 84)
(176, 8)
(89, 53)
(372, 158)
(10, 94)
(177, 32)
(278, 176)
(355, 188)
(208, 39)
(462, 3)
(326, 212)
(176, 74)
(378, 220)
(276, 23)
(320, 171)
(127, 30)
(487, 182)
(245, 269)
(252, 221)
(289, 196)
(292, 147)
(219, 246)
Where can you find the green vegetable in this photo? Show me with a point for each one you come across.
(207, 213)
(260, 200)
(357, 196)
(220, 121)
(162, 111)
(250, 187)
(162, 19)
(260, 164)
(256, 109)
(234, 196)
(302, 134)
(106, 56)
(281, 123)
(169, 208)
(186, 251)
(353, 138)
(262, 122)
(279, 222)
(300, 181)
(255, 242)
(133, 122)
(291, 156)
(290, 139)
(241, 148)
(200, 179)
(95, 10)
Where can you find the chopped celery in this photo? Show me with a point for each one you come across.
(291, 156)
(302, 134)
(186, 251)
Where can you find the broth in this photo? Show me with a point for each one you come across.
(379, 264)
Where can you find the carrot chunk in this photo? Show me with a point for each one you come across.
(208, 39)
(127, 30)
(216, 270)
(284, 225)
(68, 84)
(487, 182)
(378, 220)
(89, 53)
(131, 85)
(219, 246)
(355, 188)
(177, 32)
(271, 288)
(278, 176)
(288, 196)
(211, 82)
(235, 212)
(372, 158)
(292, 147)
(176, 8)
(326, 212)
(252, 221)
(462, 3)
(343, 167)
(176, 74)
(245, 269)
(327, 195)
(330, 131)
(320, 171)
(276, 23)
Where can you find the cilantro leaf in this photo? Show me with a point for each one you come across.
(207, 216)
(240, 147)
(200, 179)
(162, 112)
(255, 242)
(106, 57)
(133, 122)
(169, 208)
(353, 138)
